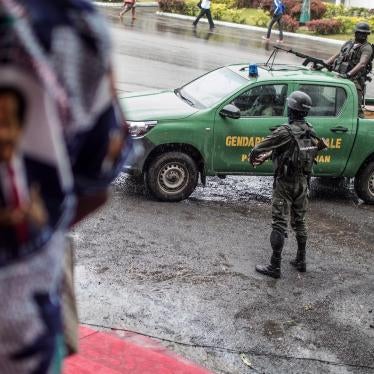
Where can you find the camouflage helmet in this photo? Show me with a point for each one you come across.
(299, 101)
(363, 27)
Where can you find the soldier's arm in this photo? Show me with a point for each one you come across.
(364, 60)
(278, 138)
(331, 60)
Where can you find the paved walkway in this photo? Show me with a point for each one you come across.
(154, 4)
(103, 353)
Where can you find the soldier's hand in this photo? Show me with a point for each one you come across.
(252, 158)
(258, 159)
(256, 162)
(343, 75)
(329, 64)
(317, 67)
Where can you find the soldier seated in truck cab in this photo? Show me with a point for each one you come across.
(261, 101)
(263, 105)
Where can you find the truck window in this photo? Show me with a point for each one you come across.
(212, 87)
(262, 101)
(328, 101)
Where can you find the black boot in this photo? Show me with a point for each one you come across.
(273, 270)
(299, 262)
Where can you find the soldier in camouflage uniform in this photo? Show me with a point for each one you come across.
(354, 61)
(290, 193)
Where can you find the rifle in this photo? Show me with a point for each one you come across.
(317, 62)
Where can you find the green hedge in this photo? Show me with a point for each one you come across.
(349, 23)
(221, 10)
(333, 11)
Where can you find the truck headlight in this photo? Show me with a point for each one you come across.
(140, 128)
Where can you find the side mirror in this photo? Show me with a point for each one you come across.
(230, 111)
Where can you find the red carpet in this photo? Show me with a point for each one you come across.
(103, 353)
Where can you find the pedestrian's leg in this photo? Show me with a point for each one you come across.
(210, 19)
(298, 211)
(201, 14)
(133, 12)
(123, 11)
(273, 20)
(126, 8)
(280, 27)
(280, 209)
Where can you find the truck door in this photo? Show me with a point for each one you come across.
(262, 108)
(332, 117)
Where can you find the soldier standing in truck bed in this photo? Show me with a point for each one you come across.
(354, 61)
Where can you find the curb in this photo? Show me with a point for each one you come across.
(110, 353)
(223, 23)
(254, 28)
(120, 5)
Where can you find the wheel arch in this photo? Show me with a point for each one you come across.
(368, 159)
(190, 150)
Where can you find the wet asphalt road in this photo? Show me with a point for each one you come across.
(184, 272)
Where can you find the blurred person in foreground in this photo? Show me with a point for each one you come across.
(22, 209)
(62, 133)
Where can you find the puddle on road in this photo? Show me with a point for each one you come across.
(237, 189)
(273, 329)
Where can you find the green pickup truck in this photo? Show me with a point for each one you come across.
(208, 126)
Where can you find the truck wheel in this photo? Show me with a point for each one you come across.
(364, 183)
(172, 176)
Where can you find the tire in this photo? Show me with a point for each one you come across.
(364, 183)
(172, 176)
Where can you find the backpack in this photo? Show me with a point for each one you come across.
(299, 159)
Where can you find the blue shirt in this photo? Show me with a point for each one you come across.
(278, 7)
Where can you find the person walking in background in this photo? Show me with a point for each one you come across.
(278, 11)
(205, 10)
(127, 6)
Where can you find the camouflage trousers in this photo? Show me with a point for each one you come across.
(290, 199)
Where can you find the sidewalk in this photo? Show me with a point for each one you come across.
(139, 4)
(110, 353)
(253, 28)
(225, 24)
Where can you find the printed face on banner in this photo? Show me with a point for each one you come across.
(31, 194)
(12, 107)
